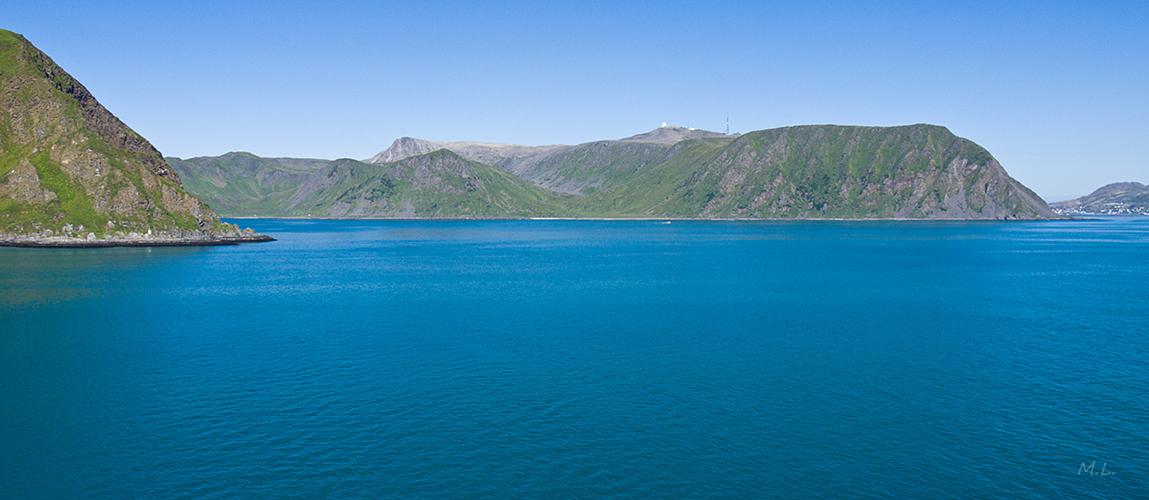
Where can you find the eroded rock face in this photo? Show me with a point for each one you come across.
(24, 185)
(66, 161)
(98, 119)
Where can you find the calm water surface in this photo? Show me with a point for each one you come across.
(584, 359)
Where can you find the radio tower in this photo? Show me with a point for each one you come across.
(727, 125)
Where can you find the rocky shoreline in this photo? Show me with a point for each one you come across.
(131, 240)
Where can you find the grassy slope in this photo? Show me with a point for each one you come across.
(648, 191)
(79, 174)
(811, 171)
(438, 184)
(593, 167)
(71, 202)
(242, 184)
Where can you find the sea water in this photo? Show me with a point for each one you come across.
(584, 359)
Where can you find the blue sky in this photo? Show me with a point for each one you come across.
(1056, 91)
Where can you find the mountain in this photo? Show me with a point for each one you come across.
(1121, 198)
(488, 153)
(72, 174)
(826, 171)
(435, 185)
(242, 184)
(671, 135)
(815, 171)
(439, 184)
(565, 169)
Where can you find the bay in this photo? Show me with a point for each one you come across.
(584, 359)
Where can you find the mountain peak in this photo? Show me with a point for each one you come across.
(670, 134)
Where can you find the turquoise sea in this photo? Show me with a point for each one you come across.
(584, 359)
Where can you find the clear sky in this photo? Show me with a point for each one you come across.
(1057, 91)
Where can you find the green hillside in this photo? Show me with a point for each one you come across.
(244, 184)
(597, 167)
(437, 184)
(817, 171)
(918, 171)
(68, 167)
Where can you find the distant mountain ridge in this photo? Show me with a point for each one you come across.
(543, 165)
(439, 184)
(1119, 198)
(814, 171)
(488, 153)
(495, 153)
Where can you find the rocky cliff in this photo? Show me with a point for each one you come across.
(71, 173)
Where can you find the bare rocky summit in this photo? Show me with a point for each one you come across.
(489, 153)
(672, 134)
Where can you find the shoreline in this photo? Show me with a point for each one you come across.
(142, 241)
(656, 219)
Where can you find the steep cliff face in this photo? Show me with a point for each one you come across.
(68, 167)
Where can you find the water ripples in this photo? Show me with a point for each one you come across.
(585, 360)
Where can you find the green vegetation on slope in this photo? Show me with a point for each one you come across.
(69, 166)
(242, 184)
(823, 171)
(438, 184)
(918, 171)
(593, 168)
